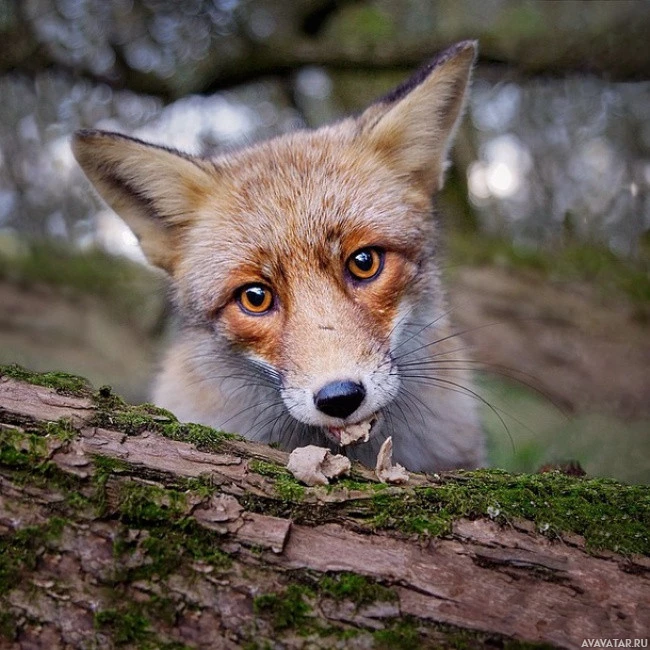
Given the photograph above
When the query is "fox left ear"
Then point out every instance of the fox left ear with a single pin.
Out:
(413, 126)
(154, 189)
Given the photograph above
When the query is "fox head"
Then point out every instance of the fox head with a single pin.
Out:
(305, 256)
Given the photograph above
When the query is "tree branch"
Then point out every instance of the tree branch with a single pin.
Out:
(120, 525)
(607, 39)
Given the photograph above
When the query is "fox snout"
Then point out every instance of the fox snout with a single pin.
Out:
(340, 399)
(340, 377)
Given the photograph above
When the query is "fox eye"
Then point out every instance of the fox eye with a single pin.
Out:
(255, 299)
(366, 263)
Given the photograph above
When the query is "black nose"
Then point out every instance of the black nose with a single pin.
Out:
(339, 398)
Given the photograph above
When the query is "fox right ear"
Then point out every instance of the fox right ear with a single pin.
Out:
(413, 127)
(154, 189)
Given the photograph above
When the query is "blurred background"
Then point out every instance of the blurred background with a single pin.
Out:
(546, 210)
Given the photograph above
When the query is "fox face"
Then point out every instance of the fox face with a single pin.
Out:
(304, 272)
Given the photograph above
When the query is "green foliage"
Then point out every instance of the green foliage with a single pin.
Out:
(574, 262)
(125, 285)
(540, 434)
(362, 26)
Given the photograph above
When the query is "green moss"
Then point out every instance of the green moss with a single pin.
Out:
(163, 549)
(124, 626)
(202, 486)
(8, 624)
(288, 609)
(19, 551)
(132, 623)
(162, 511)
(356, 588)
(114, 413)
(257, 645)
(107, 465)
(271, 470)
(171, 535)
(409, 633)
(62, 382)
(19, 450)
(288, 489)
(291, 607)
(63, 429)
(149, 503)
(608, 514)
(25, 458)
(402, 635)
(286, 486)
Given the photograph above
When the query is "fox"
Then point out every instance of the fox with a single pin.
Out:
(305, 271)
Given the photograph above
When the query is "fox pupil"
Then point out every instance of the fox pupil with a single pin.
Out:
(256, 296)
(364, 260)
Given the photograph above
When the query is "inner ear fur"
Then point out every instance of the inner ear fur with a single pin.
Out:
(156, 190)
(413, 126)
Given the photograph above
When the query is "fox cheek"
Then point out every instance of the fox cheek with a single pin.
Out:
(387, 301)
(255, 337)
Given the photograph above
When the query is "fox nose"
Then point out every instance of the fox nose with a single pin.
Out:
(339, 398)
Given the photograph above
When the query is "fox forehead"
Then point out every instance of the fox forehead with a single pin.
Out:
(304, 198)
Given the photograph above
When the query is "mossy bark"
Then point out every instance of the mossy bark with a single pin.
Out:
(120, 526)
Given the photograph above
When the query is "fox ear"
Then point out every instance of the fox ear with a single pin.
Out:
(413, 126)
(154, 189)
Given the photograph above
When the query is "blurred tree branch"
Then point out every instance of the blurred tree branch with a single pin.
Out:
(271, 37)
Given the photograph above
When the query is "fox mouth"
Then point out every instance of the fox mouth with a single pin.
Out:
(352, 434)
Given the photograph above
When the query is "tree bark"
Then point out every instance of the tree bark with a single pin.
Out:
(121, 527)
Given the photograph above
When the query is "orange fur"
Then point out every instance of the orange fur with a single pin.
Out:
(288, 214)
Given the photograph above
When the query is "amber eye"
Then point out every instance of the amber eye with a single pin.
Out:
(255, 299)
(366, 263)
